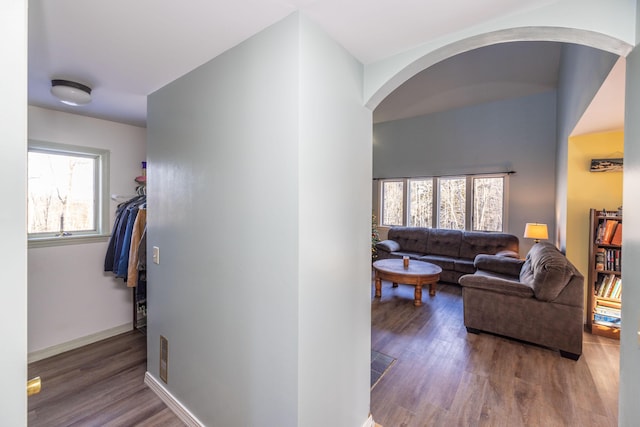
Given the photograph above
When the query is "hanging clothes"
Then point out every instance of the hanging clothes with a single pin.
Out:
(117, 258)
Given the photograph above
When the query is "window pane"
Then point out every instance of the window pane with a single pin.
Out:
(452, 203)
(421, 203)
(488, 195)
(61, 193)
(392, 210)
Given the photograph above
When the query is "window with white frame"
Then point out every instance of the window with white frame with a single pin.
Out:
(466, 202)
(67, 193)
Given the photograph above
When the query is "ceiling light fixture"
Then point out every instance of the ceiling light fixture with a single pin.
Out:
(70, 93)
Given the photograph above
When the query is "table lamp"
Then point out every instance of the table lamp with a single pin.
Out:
(536, 231)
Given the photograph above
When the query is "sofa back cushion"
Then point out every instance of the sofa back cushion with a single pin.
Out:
(547, 271)
(478, 242)
(444, 242)
(410, 239)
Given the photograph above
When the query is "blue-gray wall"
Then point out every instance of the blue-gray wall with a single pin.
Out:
(582, 72)
(253, 163)
(518, 135)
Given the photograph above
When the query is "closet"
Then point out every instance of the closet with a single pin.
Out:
(127, 250)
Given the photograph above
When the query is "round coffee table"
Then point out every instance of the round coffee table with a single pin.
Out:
(418, 274)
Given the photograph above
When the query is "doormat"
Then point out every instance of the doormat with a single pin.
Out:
(380, 364)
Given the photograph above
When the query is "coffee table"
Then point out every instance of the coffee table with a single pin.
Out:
(418, 274)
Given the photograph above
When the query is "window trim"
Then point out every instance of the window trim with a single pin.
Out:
(101, 190)
(436, 190)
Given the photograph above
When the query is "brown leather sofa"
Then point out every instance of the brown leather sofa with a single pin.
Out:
(453, 250)
(538, 300)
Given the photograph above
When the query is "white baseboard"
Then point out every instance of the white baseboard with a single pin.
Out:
(34, 356)
(174, 404)
(369, 422)
(183, 413)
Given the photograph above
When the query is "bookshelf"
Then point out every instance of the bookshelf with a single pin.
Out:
(605, 273)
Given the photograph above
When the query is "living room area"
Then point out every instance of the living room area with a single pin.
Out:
(436, 372)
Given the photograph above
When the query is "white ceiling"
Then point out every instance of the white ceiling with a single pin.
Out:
(126, 49)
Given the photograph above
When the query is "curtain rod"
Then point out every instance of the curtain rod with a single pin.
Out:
(456, 174)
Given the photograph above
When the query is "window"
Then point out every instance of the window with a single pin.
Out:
(469, 202)
(421, 202)
(488, 203)
(393, 202)
(67, 190)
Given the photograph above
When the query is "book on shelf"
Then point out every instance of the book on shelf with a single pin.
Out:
(604, 320)
(609, 229)
(600, 259)
(608, 311)
(617, 236)
(609, 303)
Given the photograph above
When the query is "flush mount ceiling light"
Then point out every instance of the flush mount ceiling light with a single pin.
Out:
(70, 93)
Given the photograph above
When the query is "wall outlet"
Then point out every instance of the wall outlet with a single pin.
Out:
(164, 358)
(156, 255)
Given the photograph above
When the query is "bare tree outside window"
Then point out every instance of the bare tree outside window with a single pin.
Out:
(392, 208)
(61, 193)
(452, 203)
(488, 194)
(421, 202)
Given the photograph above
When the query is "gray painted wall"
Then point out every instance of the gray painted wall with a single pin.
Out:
(256, 165)
(582, 72)
(514, 135)
(629, 410)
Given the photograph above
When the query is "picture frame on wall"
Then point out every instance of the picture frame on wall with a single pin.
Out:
(606, 165)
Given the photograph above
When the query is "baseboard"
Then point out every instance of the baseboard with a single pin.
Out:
(78, 342)
(174, 404)
(370, 422)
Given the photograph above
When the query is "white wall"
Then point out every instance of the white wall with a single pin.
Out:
(516, 135)
(263, 286)
(629, 412)
(334, 236)
(13, 226)
(70, 295)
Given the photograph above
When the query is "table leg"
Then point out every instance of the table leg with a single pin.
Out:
(417, 298)
(378, 286)
(432, 289)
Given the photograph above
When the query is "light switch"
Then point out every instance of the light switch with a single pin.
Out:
(156, 255)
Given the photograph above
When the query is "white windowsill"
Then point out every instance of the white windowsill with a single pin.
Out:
(67, 240)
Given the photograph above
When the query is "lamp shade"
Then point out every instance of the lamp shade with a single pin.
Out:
(536, 231)
(71, 93)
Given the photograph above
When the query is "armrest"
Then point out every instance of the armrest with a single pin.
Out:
(499, 264)
(508, 253)
(388, 245)
(496, 284)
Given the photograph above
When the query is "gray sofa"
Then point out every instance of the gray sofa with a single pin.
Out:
(453, 250)
(538, 300)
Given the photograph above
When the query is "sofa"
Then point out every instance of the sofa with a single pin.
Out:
(538, 300)
(453, 250)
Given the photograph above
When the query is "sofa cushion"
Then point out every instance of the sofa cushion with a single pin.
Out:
(443, 262)
(464, 266)
(444, 242)
(410, 239)
(477, 242)
(546, 270)
(499, 264)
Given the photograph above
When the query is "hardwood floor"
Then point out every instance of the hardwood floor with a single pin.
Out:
(446, 377)
(101, 384)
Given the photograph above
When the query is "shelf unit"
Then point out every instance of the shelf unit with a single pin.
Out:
(601, 273)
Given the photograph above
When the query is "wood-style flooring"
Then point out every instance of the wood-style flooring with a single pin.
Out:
(444, 376)
(101, 384)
